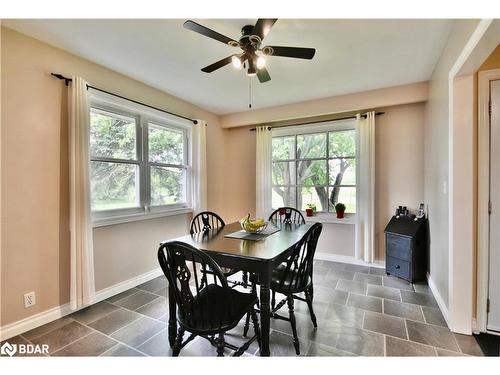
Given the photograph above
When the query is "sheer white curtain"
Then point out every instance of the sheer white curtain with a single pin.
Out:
(82, 288)
(199, 166)
(263, 169)
(365, 198)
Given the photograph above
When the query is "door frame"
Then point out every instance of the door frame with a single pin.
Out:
(483, 193)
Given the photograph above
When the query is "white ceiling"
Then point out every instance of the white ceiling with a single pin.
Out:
(351, 56)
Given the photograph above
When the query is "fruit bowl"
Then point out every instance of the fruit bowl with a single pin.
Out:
(253, 225)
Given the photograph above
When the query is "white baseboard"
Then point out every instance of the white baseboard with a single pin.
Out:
(127, 284)
(438, 298)
(347, 259)
(44, 317)
(34, 321)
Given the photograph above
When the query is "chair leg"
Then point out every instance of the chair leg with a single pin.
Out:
(256, 326)
(292, 322)
(309, 299)
(178, 343)
(273, 300)
(220, 345)
(247, 325)
(254, 291)
(244, 278)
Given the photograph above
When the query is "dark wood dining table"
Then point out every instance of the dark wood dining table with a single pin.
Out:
(258, 257)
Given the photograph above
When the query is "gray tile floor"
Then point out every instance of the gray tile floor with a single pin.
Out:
(360, 311)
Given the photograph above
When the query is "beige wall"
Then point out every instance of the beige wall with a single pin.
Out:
(389, 96)
(34, 173)
(399, 174)
(399, 163)
(493, 60)
(436, 158)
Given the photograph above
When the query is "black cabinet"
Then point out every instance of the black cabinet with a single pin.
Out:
(406, 248)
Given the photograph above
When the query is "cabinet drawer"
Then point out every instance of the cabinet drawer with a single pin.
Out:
(397, 267)
(399, 246)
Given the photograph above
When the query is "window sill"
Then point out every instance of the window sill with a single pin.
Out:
(349, 219)
(121, 219)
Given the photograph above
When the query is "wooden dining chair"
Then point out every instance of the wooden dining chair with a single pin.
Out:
(207, 310)
(206, 221)
(294, 276)
(287, 215)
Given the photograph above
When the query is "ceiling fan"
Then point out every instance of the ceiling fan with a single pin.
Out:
(252, 56)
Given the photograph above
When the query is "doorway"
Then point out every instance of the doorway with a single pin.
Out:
(493, 302)
(488, 203)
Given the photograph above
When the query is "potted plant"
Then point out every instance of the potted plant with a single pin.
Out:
(311, 209)
(340, 209)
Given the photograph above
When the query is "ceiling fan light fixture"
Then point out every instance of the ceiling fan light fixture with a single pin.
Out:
(236, 62)
(261, 62)
(251, 71)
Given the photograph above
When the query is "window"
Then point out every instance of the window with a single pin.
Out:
(315, 167)
(139, 160)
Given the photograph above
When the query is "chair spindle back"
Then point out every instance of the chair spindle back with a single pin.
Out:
(205, 221)
(287, 215)
(299, 265)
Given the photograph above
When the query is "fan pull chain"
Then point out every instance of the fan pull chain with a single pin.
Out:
(249, 92)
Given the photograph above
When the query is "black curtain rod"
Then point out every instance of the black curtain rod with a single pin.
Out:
(317, 122)
(68, 80)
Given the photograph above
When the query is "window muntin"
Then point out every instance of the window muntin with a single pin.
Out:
(139, 162)
(318, 168)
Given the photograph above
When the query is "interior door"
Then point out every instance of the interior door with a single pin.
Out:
(494, 261)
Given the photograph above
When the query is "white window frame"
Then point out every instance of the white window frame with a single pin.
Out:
(145, 117)
(323, 127)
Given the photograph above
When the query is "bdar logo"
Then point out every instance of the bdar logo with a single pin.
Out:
(23, 349)
(8, 349)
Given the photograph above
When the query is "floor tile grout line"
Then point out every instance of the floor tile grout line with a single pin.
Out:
(45, 333)
(429, 324)
(422, 310)
(101, 317)
(72, 342)
(150, 303)
(125, 326)
(141, 306)
(118, 300)
(116, 330)
(384, 334)
(458, 344)
(418, 343)
(156, 334)
(112, 338)
(406, 329)
(114, 346)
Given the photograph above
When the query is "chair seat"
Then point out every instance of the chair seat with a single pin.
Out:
(217, 309)
(287, 286)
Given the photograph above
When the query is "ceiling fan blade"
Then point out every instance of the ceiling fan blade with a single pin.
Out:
(196, 27)
(263, 75)
(263, 26)
(296, 52)
(217, 65)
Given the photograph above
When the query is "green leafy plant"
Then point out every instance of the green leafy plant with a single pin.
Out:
(312, 206)
(340, 207)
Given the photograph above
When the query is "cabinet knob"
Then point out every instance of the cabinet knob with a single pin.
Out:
(397, 266)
